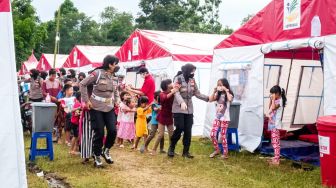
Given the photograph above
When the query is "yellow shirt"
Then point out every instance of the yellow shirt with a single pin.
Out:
(141, 122)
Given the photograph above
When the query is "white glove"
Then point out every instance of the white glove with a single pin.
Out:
(184, 106)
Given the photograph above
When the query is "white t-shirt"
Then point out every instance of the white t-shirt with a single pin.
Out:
(223, 109)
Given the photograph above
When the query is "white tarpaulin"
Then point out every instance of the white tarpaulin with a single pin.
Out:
(246, 61)
(330, 75)
(12, 158)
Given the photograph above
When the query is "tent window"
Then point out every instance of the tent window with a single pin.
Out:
(309, 101)
(272, 74)
(238, 79)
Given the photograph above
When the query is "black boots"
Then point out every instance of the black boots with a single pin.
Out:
(171, 152)
(106, 156)
(187, 155)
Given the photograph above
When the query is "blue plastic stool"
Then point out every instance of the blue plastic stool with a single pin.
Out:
(41, 152)
(231, 146)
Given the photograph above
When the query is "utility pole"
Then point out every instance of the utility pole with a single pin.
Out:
(57, 37)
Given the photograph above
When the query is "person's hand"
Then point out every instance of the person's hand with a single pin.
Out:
(184, 106)
(128, 87)
(225, 89)
(89, 105)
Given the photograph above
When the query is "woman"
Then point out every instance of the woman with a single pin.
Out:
(36, 82)
(101, 104)
(183, 108)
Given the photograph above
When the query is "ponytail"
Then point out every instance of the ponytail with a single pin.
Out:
(283, 96)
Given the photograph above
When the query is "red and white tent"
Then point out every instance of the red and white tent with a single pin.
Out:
(28, 65)
(283, 44)
(84, 58)
(47, 61)
(165, 53)
(12, 156)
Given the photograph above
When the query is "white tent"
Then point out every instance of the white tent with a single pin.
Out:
(12, 158)
(84, 58)
(165, 53)
(47, 61)
(286, 45)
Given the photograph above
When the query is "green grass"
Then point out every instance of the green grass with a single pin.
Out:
(132, 169)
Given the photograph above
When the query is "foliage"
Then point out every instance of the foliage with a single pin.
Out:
(180, 15)
(29, 32)
(116, 26)
(247, 18)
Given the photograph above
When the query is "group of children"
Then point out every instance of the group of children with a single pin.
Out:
(134, 114)
(133, 117)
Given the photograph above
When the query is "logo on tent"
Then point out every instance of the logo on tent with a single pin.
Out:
(292, 14)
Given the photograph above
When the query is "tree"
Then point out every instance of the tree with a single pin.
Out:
(116, 26)
(160, 14)
(75, 28)
(180, 15)
(29, 32)
(247, 18)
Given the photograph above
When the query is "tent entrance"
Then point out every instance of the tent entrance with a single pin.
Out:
(303, 81)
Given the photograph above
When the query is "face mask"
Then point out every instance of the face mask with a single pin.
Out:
(116, 69)
(219, 88)
(191, 75)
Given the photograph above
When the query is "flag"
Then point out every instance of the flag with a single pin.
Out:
(12, 158)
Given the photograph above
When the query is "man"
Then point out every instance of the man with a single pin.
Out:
(148, 87)
(62, 75)
(51, 86)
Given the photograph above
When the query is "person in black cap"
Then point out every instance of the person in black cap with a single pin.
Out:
(148, 87)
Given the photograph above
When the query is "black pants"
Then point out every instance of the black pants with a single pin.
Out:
(98, 122)
(183, 123)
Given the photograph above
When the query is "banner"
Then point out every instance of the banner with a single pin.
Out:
(292, 14)
(12, 158)
(135, 46)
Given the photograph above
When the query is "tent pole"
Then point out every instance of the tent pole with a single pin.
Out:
(290, 71)
(57, 37)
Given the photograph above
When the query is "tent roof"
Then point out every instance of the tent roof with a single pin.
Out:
(267, 25)
(26, 66)
(181, 46)
(48, 60)
(87, 55)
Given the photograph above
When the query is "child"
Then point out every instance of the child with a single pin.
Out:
(165, 115)
(154, 124)
(127, 128)
(123, 96)
(67, 104)
(76, 112)
(141, 122)
(277, 103)
(223, 96)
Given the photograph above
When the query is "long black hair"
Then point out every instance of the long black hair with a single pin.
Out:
(226, 84)
(108, 60)
(278, 90)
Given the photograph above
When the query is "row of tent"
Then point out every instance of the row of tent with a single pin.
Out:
(81, 57)
(277, 46)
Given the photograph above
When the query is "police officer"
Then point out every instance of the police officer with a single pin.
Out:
(104, 97)
(183, 108)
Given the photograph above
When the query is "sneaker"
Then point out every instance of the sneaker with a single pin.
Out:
(121, 146)
(97, 161)
(187, 155)
(106, 156)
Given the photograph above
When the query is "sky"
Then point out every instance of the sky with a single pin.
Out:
(231, 11)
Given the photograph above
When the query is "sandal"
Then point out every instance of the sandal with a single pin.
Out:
(212, 155)
(224, 157)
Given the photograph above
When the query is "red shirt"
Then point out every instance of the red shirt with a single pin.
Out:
(51, 87)
(148, 88)
(74, 116)
(165, 115)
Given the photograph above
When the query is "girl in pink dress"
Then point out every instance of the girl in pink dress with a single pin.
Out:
(126, 129)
